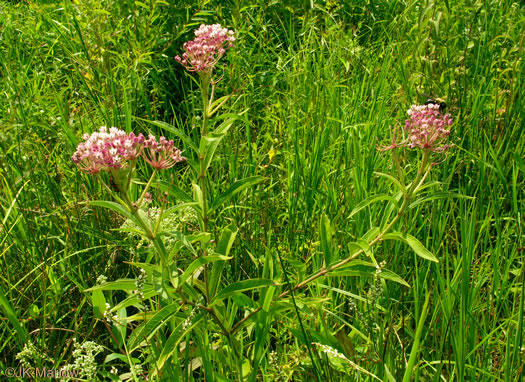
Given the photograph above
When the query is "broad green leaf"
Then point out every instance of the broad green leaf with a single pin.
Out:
(373, 199)
(268, 298)
(147, 267)
(146, 330)
(241, 286)
(196, 264)
(99, 304)
(218, 101)
(243, 301)
(234, 189)
(354, 266)
(519, 162)
(346, 343)
(177, 208)
(202, 237)
(414, 243)
(120, 331)
(173, 275)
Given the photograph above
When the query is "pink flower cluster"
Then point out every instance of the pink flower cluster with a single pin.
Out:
(105, 150)
(426, 127)
(204, 51)
(113, 150)
(161, 154)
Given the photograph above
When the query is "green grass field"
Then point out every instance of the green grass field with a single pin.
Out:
(269, 269)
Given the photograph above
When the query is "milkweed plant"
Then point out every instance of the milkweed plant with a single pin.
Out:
(181, 306)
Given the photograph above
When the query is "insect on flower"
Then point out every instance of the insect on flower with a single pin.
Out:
(435, 101)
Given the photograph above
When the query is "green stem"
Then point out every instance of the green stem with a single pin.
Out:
(205, 83)
(400, 175)
(108, 189)
(125, 201)
(414, 185)
(139, 203)
(415, 347)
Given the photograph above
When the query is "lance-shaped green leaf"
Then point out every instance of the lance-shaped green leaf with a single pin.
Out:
(234, 189)
(10, 313)
(223, 248)
(159, 285)
(365, 269)
(438, 195)
(119, 208)
(167, 212)
(134, 299)
(196, 264)
(171, 345)
(239, 287)
(99, 304)
(166, 126)
(175, 191)
(414, 243)
(210, 142)
(146, 330)
(373, 199)
(325, 232)
(392, 179)
(216, 105)
(122, 357)
(121, 284)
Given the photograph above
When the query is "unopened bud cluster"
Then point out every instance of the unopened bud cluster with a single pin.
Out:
(330, 350)
(189, 320)
(84, 360)
(139, 283)
(110, 317)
